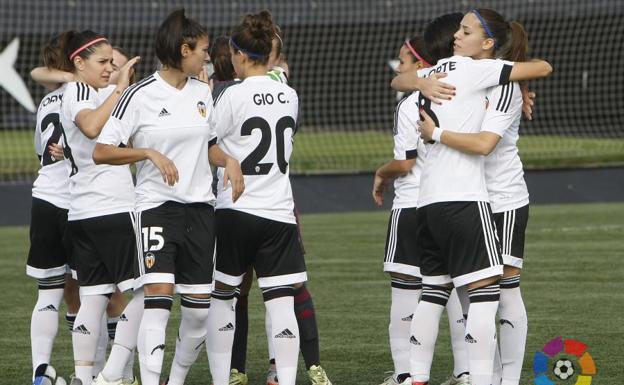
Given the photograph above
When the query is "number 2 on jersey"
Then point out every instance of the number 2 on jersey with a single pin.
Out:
(251, 164)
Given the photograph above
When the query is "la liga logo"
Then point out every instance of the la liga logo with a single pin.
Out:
(562, 361)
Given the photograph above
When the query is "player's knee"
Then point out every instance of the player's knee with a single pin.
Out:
(154, 289)
(271, 293)
(484, 282)
(436, 294)
(510, 271)
(51, 283)
(406, 282)
(200, 305)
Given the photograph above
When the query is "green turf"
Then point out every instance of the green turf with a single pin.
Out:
(572, 286)
(340, 151)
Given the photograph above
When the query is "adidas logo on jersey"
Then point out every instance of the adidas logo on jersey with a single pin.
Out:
(409, 318)
(48, 308)
(504, 321)
(163, 112)
(227, 328)
(82, 330)
(123, 318)
(285, 334)
(414, 341)
(470, 340)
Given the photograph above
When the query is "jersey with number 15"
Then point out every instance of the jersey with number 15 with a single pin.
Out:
(256, 120)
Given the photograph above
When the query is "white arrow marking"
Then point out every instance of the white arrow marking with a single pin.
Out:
(10, 80)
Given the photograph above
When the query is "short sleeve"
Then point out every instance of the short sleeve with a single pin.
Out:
(78, 97)
(222, 120)
(486, 73)
(38, 133)
(406, 136)
(123, 122)
(504, 108)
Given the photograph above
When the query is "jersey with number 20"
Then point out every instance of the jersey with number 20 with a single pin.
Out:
(255, 123)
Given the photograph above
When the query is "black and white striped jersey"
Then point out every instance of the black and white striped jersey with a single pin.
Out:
(178, 124)
(407, 145)
(255, 121)
(95, 190)
(504, 175)
(52, 183)
(448, 174)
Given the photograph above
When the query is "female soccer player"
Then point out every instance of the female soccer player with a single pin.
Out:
(167, 117)
(456, 233)
(485, 34)
(223, 77)
(401, 259)
(53, 77)
(256, 122)
(102, 198)
(49, 255)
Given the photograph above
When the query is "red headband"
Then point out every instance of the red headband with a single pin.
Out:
(89, 44)
(413, 51)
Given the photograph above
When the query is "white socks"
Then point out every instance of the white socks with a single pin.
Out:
(86, 334)
(191, 336)
(220, 335)
(151, 339)
(285, 335)
(102, 347)
(513, 329)
(481, 332)
(457, 324)
(402, 308)
(120, 361)
(44, 325)
(424, 330)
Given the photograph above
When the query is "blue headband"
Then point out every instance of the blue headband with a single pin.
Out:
(249, 53)
(485, 27)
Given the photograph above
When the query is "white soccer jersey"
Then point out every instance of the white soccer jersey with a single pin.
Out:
(95, 190)
(52, 183)
(448, 174)
(256, 120)
(504, 175)
(407, 145)
(177, 123)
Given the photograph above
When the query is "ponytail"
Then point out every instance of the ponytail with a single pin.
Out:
(518, 45)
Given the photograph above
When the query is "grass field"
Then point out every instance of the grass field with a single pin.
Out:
(341, 151)
(572, 286)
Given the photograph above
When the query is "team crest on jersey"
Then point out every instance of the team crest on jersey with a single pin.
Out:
(201, 108)
(150, 260)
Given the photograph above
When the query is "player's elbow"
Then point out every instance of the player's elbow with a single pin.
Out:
(545, 69)
(99, 154)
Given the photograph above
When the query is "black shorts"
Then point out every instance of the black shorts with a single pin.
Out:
(510, 227)
(458, 243)
(104, 251)
(401, 251)
(178, 243)
(272, 247)
(49, 249)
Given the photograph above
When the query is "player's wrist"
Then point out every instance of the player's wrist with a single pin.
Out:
(437, 134)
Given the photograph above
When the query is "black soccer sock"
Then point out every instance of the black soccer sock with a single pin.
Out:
(239, 348)
(308, 330)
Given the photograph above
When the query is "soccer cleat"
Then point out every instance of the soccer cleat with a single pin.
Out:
(238, 378)
(391, 380)
(318, 376)
(75, 381)
(463, 379)
(134, 381)
(44, 375)
(272, 376)
(100, 380)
